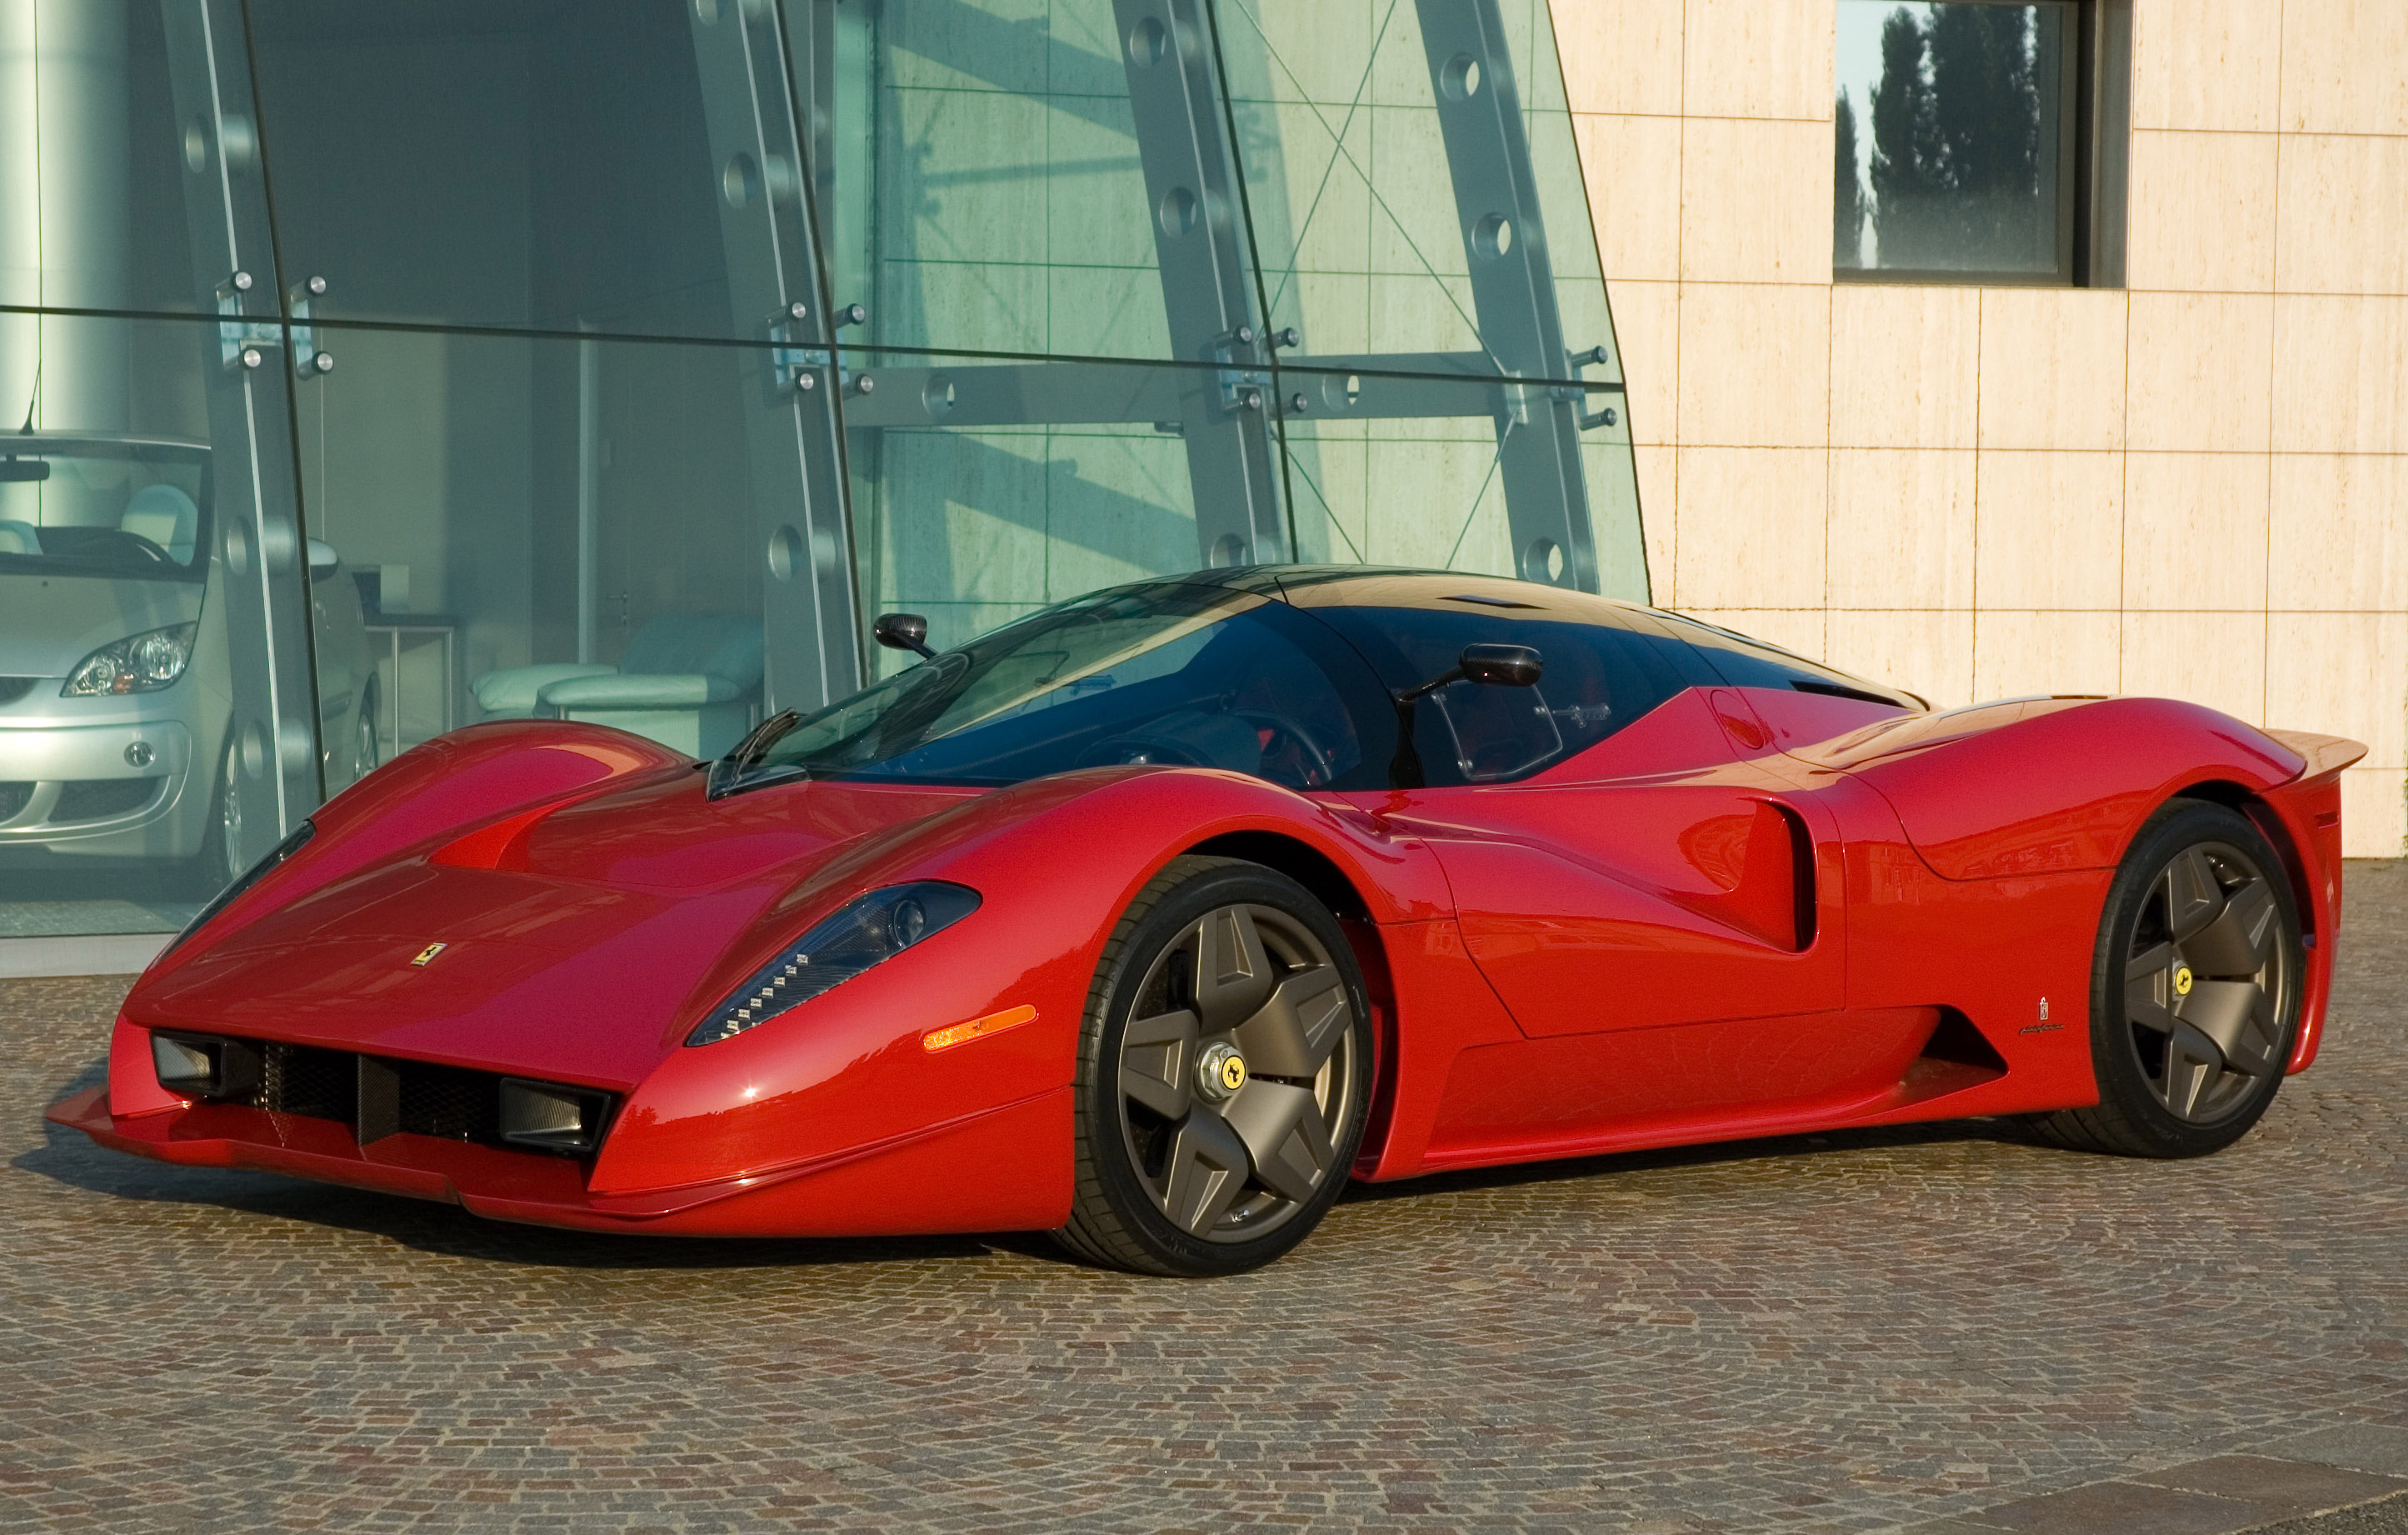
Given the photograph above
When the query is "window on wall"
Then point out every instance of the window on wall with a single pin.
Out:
(1980, 140)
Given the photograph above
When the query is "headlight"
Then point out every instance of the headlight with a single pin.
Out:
(144, 663)
(878, 925)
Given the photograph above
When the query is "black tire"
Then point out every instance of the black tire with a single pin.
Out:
(1160, 1118)
(2188, 1056)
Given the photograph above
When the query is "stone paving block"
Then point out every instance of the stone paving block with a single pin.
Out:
(2388, 1517)
(2281, 1488)
(2124, 1508)
(2365, 1447)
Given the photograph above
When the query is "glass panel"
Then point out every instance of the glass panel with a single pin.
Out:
(154, 715)
(1952, 149)
(1008, 210)
(529, 163)
(542, 528)
(1405, 161)
(120, 648)
(972, 509)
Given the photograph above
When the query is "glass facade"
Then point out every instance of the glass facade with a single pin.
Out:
(387, 369)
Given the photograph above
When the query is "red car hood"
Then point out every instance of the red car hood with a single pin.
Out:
(573, 935)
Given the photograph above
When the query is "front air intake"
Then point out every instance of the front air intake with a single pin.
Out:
(378, 1096)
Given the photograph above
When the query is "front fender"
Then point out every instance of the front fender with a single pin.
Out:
(1055, 862)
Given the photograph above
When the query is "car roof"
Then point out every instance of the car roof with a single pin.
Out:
(1431, 591)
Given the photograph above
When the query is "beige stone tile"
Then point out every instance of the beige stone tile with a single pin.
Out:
(1902, 528)
(1905, 364)
(1621, 55)
(2201, 367)
(1755, 360)
(2195, 532)
(2344, 202)
(1756, 201)
(2341, 375)
(1760, 58)
(2215, 659)
(2341, 67)
(1660, 518)
(1647, 333)
(1751, 528)
(2018, 653)
(2049, 530)
(2373, 812)
(2339, 528)
(1632, 165)
(2201, 212)
(2339, 674)
(2206, 64)
(1797, 630)
(2052, 369)
(1929, 654)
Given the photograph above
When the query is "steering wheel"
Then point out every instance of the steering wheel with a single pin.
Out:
(1319, 769)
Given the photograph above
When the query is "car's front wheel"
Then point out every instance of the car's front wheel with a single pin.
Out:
(1224, 1072)
(2195, 989)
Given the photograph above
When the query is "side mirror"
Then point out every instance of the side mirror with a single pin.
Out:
(1501, 665)
(322, 559)
(903, 632)
(1486, 665)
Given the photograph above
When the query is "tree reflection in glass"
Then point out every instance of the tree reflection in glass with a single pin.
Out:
(1963, 167)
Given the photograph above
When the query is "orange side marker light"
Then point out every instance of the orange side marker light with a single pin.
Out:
(978, 1028)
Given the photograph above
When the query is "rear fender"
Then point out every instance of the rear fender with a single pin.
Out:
(2048, 786)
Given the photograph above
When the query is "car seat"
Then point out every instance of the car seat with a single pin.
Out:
(20, 538)
(164, 514)
(689, 680)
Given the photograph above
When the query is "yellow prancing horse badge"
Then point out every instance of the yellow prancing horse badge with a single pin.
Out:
(2182, 980)
(428, 952)
(1233, 1072)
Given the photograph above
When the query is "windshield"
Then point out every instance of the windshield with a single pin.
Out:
(1163, 672)
(83, 507)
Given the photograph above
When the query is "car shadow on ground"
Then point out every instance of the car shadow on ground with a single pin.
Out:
(66, 1157)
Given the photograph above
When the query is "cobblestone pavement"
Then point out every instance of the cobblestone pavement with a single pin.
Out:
(1851, 1332)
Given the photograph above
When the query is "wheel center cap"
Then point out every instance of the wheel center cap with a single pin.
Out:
(2182, 980)
(1220, 1072)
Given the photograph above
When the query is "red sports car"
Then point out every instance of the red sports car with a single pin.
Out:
(1153, 917)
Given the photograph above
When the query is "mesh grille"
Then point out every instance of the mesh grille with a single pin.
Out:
(98, 799)
(13, 799)
(319, 1084)
(14, 688)
(457, 1105)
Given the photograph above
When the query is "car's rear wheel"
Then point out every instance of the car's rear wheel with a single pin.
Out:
(2195, 989)
(1224, 1067)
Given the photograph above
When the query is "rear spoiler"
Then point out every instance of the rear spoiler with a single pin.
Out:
(2325, 755)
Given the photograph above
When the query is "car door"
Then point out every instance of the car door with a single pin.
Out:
(1664, 912)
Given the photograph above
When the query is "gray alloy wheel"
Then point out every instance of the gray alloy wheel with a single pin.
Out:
(364, 751)
(2196, 990)
(1225, 1077)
